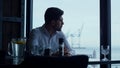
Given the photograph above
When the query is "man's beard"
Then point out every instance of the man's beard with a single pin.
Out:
(58, 29)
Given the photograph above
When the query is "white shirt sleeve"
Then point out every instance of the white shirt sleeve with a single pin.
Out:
(33, 40)
(67, 45)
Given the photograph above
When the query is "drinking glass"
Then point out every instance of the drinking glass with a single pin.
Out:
(47, 50)
(38, 50)
(104, 51)
(16, 49)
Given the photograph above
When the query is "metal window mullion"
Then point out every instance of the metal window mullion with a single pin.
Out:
(22, 17)
(29, 16)
(1, 24)
(105, 27)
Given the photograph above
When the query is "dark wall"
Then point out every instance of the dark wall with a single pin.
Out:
(11, 21)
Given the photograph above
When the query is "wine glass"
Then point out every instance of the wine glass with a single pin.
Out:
(104, 51)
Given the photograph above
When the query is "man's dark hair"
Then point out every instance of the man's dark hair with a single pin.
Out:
(53, 13)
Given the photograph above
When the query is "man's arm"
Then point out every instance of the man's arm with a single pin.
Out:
(32, 41)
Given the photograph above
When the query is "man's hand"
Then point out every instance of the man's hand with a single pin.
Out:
(66, 52)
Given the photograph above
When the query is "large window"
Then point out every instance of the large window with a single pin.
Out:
(81, 23)
(115, 32)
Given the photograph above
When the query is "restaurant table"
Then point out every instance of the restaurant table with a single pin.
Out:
(78, 61)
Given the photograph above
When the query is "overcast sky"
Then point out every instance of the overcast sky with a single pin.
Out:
(79, 16)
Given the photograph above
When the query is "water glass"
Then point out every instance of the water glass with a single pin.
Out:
(38, 50)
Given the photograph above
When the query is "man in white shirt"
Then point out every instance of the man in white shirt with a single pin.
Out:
(47, 36)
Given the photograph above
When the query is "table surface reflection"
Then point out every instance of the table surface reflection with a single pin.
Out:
(104, 62)
(8, 60)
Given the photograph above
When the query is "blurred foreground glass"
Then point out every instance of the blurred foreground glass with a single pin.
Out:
(105, 51)
(38, 50)
(16, 49)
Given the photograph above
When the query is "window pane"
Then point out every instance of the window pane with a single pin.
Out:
(115, 32)
(94, 66)
(81, 23)
(115, 66)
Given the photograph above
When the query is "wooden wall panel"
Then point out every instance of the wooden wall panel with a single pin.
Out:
(10, 30)
(11, 8)
(12, 21)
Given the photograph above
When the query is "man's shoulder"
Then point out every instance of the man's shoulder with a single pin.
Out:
(37, 29)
